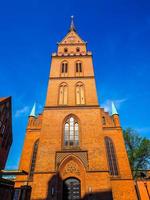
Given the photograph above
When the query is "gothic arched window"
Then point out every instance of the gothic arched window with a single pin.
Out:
(63, 94)
(71, 132)
(79, 69)
(33, 160)
(80, 96)
(111, 156)
(64, 68)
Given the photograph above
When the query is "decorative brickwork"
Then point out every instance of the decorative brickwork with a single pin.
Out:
(5, 130)
(71, 168)
(82, 155)
(74, 148)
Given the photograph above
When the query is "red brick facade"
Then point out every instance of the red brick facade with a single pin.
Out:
(75, 137)
(5, 130)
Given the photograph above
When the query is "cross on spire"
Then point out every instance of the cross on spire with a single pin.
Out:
(72, 26)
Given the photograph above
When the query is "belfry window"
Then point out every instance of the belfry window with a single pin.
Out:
(33, 160)
(80, 96)
(63, 94)
(71, 132)
(64, 68)
(111, 157)
(79, 70)
(78, 66)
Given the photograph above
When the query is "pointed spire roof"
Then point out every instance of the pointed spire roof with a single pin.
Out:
(33, 111)
(114, 110)
(72, 26)
(72, 37)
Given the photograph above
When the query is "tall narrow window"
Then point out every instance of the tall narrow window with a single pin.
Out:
(33, 160)
(71, 133)
(103, 120)
(111, 157)
(80, 96)
(79, 69)
(63, 94)
(64, 68)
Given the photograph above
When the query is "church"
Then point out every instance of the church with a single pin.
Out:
(74, 149)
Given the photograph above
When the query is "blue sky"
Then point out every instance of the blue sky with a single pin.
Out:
(118, 34)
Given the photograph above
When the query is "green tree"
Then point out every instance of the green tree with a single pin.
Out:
(138, 149)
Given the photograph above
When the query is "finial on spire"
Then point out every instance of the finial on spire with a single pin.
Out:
(33, 112)
(72, 27)
(114, 110)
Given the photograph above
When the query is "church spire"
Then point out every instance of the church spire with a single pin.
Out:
(32, 114)
(114, 110)
(115, 116)
(72, 26)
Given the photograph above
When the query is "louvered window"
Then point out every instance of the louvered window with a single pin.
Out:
(64, 69)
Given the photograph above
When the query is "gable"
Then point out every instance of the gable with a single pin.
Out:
(72, 38)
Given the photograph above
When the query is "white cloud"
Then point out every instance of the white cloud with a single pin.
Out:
(22, 112)
(118, 103)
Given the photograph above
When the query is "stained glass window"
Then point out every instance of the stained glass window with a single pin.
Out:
(71, 132)
(111, 156)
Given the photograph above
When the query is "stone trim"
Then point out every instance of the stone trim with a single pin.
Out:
(73, 107)
(121, 179)
(113, 128)
(69, 77)
(73, 55)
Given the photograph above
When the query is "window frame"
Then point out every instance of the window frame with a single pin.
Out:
(64, 85)
(78, 68)
(74, 146)
(80, 84)
(103, 120)
(111, 157)
(64, 68)
(33, 156)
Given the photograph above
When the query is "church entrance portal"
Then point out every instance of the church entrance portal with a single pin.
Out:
(71, 189)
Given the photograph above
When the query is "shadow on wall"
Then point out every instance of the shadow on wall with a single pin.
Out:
(107, 195)
(69, 189)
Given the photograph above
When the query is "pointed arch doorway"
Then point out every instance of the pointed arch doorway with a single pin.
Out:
(71, 189)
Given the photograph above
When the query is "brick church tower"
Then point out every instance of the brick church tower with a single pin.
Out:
(74, 149)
